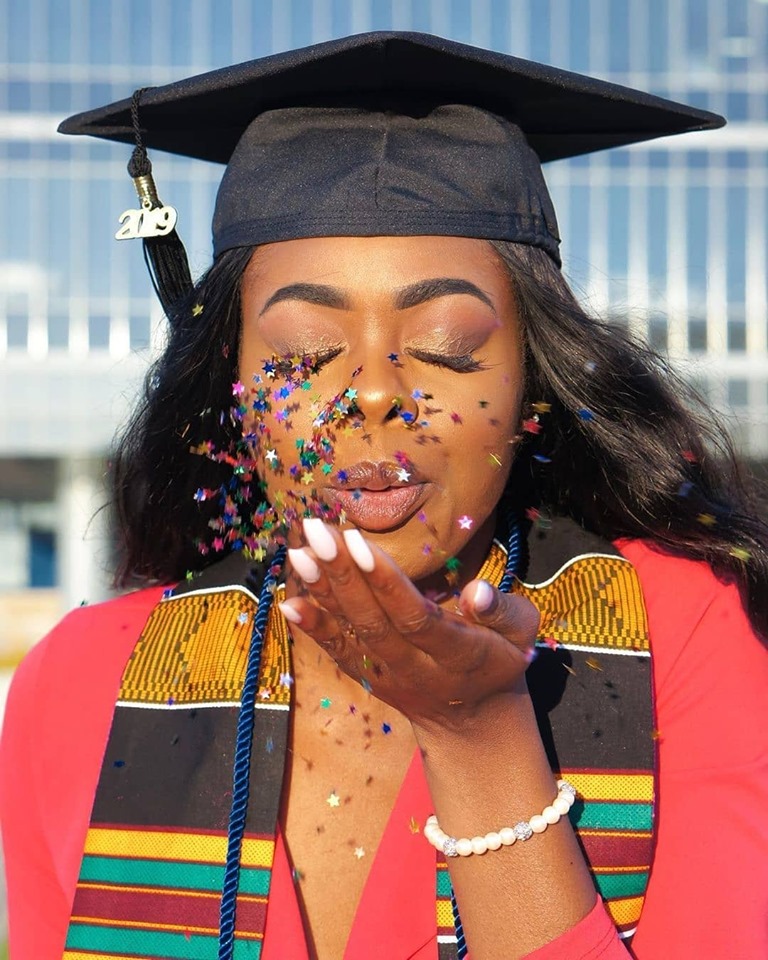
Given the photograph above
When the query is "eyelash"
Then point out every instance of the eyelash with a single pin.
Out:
(465, 363)
(319, 360)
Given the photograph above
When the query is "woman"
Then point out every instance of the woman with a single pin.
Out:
(385, 372)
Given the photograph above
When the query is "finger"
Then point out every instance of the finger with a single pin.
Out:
(341, 583)
(336, 638)
(510, 615)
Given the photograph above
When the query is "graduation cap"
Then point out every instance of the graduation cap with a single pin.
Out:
(381, 134)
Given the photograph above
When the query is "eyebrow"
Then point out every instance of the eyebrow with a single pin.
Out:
(413, 295)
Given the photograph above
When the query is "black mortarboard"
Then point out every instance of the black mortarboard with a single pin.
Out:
(388, 134)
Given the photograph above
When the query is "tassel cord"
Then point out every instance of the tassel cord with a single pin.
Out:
(242, 764)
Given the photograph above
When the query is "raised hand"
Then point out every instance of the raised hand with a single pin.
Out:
(436, 667)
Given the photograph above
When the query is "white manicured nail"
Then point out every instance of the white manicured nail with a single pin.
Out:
(289, 613)
(320, 538)
(483, 596)
(304, 565)
(359, 550)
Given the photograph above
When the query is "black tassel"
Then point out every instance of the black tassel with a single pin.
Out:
(164, 254)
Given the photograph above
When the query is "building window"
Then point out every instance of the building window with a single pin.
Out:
(98, 333)
(737, 336)
(17, 327)
(139, 332)
(697, 336)
(658, 334)
(42, 558)
(58, 332)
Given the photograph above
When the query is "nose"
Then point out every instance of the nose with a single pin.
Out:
(384, 394)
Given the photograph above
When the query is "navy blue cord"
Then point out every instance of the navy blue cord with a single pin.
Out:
(242, 764)
(516, 560)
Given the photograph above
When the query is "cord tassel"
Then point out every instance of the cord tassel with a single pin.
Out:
(155, 224)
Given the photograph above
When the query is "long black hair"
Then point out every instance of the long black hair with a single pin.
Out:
(624, 447)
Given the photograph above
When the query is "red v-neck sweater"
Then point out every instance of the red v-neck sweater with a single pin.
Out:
(708, 893)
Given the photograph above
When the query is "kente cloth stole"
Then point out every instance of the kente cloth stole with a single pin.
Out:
(153, 864)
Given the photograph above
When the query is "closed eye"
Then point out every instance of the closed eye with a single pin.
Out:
(285, 364)
(461, 363)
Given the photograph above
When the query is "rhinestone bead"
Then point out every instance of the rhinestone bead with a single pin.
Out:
(449, 847)
(566, 788)
(523, 830)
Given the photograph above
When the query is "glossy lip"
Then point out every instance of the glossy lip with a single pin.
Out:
(375, 475)
(374, 497)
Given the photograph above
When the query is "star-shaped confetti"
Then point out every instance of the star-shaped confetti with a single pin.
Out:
(197, 309)
(359, 853)
(392, 357)
(286, 680)
(271, 456)
(386, 728)
(333, 799)
(242, 617)
(466, 522)
(325, 702)
(403, 475)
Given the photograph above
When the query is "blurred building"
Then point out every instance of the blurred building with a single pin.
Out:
(671, 235)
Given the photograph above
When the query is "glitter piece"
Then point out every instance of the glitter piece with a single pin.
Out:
(403, 475)
(531, 426)
(265, 693)
(413, 825)
(452, 564)
(325, 703)
(242, 617)
(494, 460)
(386, 728)
(593, 663)
(465, 522)
(541, 458)
(197, 309)
(392, 357)
(740, 553)
(366, 685)
(270, 745)
(585, 414)
(707, 519)
(359, 853)
(286, 680)
(333, 799)
(456, 418)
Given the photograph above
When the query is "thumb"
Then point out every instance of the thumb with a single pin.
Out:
(511, 615)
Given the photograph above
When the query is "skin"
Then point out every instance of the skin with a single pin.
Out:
(446, 675)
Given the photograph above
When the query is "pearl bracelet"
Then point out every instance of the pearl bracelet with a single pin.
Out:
(464, 847)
